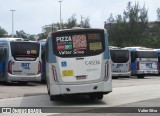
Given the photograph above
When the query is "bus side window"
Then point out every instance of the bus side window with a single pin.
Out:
(133, 56)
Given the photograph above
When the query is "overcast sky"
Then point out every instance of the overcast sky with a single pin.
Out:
(31, 15)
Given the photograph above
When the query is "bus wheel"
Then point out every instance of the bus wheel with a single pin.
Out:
(23, 83)
(114, 77)
(92, 97)
(140, 76)
(100, 96)
(56, 97)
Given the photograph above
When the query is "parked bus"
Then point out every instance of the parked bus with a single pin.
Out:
(144, 62)
(43, 74)
(78, 62)
(21, 61)
(121, 63)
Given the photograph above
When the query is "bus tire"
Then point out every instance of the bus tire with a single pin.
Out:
(92, 97)
(23, 83)
(114, 77)
(100, 96)
(55, 97)
(140, 76)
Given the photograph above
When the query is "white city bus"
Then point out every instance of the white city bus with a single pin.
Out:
(78, 62)
(22, 62)
(121, 63)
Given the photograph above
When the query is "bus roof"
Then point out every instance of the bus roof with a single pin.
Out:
(75, 30)
(12, 39)
(114, 47)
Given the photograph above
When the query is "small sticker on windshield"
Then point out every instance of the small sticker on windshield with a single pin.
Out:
(33, 51)
(63, 64)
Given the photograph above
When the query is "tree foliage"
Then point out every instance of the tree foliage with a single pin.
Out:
(72, 22)
(130, 28)
(3, 32)
(21, 34)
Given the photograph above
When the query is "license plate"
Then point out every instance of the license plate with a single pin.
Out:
(66, 73)
(30, 74)
(81, 77)
(17, 72)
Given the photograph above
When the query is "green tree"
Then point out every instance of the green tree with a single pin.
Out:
(3, 32)
(21, 34)
(129, 29)
(71, 22)
(85, 23)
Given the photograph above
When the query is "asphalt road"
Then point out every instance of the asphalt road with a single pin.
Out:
(127, 92)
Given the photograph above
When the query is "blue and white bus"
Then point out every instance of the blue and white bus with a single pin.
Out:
(121, 63)
(43, 74)
(78, 62)
(21, 61)
(144, 61)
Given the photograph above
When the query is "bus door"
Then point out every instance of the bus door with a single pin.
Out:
(133, 62)
(25, 60)
(43, 68)
(3, 54)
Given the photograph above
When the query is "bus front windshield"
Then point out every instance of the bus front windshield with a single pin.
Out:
(25, 50)
(119, 56)
(78, 44)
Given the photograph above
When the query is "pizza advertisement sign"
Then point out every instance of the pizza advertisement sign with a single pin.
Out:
(64, 43)
(78, 44)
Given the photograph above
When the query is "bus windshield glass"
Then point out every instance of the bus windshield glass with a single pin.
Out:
(146, 54)
(25, 50)
(119, 56)
(78, 44)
